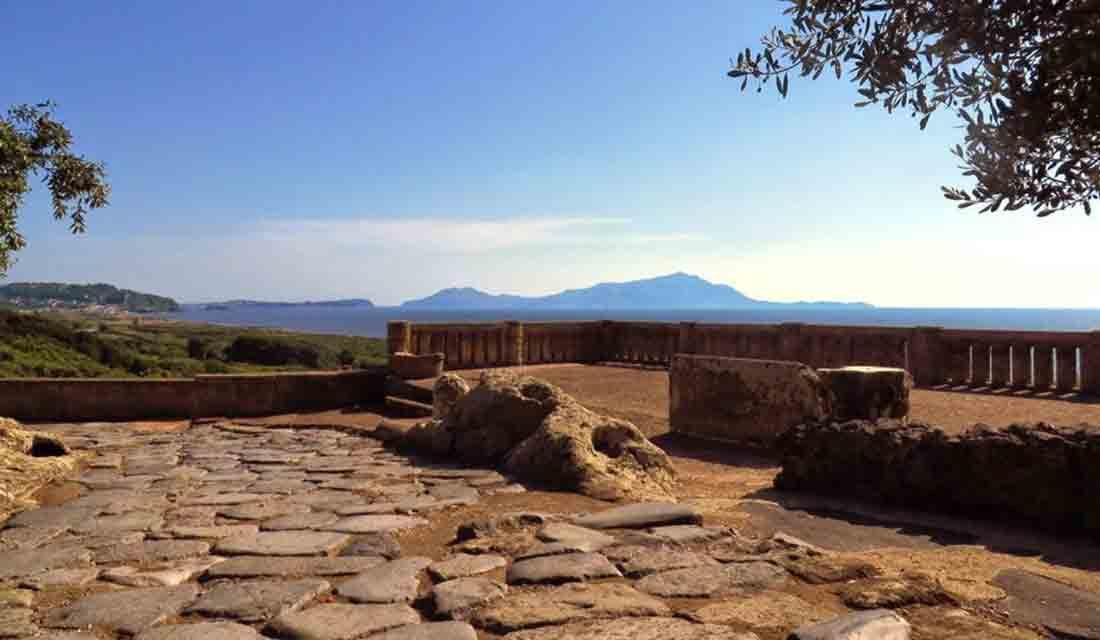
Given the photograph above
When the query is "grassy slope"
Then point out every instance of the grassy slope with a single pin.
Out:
(71, 345)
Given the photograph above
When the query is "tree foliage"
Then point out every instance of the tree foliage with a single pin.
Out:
(1024, 76)
(33, 143)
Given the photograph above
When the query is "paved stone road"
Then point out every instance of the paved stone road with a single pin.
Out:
(227, 532)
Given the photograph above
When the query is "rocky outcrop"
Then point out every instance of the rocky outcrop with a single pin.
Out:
(448, 389)
(1033, 472)
(539, 433)
(28, 461)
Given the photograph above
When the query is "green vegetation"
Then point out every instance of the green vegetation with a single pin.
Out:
(71, 345)
(36, 295)
(32, 143)
(1023, 76)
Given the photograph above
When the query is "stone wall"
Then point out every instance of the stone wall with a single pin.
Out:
(743, 399)
(1039, 361)
(1037, 473)
(75, 399)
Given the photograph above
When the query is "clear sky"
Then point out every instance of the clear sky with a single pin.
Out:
(289, 150)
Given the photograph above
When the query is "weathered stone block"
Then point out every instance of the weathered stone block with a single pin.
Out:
(868, 393)
(743, 399)
(412, 366)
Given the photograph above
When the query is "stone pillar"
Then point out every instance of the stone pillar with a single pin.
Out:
(398, 336)
(999, 368)
(1067, 368)
(790, 342)
(686, 342)
(1090, 365)
(926, 356)
(1044, 368)
(513, 343)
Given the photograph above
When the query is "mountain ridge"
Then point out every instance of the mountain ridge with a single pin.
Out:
(42, 295)
(673, 291)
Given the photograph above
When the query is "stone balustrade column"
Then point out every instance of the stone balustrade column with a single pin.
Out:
(513, 344)
(1090, 365)
(398, 336)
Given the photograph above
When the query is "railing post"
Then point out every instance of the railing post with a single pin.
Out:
(686, 341)
(1090, 365)
(513, 343)
(790, 342)
(926, 356)
(398, 336)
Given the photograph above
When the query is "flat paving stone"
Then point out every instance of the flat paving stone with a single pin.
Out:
(634, 629)
(61, 517)
(152, 551)
(465, 565)
(394, 581)
(876, 624)
(256, 567)
(376, 508)
(767, 610)
(689, 533)
(430, 631)
(376, 523)
(383, 543)
(565, 604)
(164, 577)
(261, 511)
(300, 521)
(222, 499)
(201, 631)
(580, 537)
(658, 560)
(641, 515)
(702, 582)
(61, 578)
(454, 596)
(28, 537)
(130, 611)
(212, 532)
(282, 543)
(453, 491)
(28, 563)
(16, 598)
(132, 521)
(257, 601)
(1038, 600)
(569, 567)
(339, 621)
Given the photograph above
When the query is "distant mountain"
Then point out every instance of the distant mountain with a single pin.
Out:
(675, 291)
(229, 304)
(43, 295)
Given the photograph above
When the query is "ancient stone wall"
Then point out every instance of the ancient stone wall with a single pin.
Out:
(1039, 361)
(73, 399)
(1037, 473)
(743, 399)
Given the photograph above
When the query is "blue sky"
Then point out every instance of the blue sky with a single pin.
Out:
(288, 150)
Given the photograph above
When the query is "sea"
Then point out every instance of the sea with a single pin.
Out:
(371, 322)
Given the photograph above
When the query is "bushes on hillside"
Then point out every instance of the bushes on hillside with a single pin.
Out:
(278, 351)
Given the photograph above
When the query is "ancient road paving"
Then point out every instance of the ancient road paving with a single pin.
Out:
(228, 532)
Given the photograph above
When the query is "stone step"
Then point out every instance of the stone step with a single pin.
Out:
(402, 408)
(398, 388)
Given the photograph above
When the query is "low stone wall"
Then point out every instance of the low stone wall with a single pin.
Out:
(409, 366)
(77, 399)
(743, 399)
(1038, 473)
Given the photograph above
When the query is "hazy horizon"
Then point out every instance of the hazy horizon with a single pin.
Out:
(259, 150)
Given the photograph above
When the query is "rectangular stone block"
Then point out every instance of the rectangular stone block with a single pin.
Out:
(868, 393)
(743, 399)
(413, 367)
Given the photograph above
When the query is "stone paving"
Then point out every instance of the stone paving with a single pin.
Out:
(229, 532)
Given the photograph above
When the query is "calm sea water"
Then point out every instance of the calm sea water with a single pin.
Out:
(372, 322)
